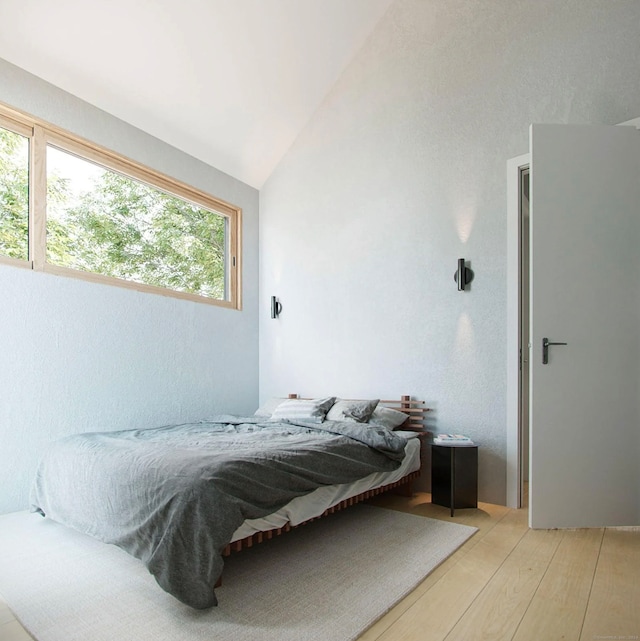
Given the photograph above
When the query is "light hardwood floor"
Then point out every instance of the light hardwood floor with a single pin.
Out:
(510, 582)
(507, 582)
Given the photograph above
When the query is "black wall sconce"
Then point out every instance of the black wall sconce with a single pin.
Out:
(276, 307)
(463, 275)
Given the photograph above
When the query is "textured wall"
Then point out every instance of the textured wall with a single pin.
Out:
(402, 171)
(77, 356)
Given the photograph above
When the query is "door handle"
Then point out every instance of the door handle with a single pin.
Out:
(545, 349)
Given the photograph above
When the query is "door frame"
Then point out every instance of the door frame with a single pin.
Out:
(514, 257)
(513, 463)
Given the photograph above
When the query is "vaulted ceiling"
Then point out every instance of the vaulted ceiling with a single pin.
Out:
(231, 82)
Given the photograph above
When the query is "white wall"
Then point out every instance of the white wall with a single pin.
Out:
(77, 356)
(401, 172)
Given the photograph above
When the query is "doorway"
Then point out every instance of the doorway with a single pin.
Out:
(524, 343)
(518, 180)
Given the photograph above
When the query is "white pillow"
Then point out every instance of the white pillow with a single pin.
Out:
(313, 410)
(386, 417)
(356, 411)
(267, 408)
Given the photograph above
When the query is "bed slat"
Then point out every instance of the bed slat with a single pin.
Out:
(249, 541)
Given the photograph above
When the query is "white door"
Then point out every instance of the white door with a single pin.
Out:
(585, 291)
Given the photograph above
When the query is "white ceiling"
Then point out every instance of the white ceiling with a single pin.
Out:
(231, 82)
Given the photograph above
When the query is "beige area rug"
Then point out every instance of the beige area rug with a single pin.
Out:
(327, 581)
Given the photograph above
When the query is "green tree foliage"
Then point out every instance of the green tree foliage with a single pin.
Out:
(116, 227)
(129, 230)
(14, 195)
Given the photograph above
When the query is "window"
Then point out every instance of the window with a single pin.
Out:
(99, 216)
(14, 192)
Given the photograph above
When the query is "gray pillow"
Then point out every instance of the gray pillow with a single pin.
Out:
(358, 411)
(386, 417)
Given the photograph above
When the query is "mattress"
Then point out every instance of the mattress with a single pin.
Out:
(311, 505)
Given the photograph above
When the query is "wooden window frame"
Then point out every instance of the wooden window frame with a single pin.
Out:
(42, 134)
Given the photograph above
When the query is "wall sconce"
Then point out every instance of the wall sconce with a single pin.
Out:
(276, 307)
(463, 275)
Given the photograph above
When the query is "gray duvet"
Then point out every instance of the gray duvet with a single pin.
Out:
(173, 496)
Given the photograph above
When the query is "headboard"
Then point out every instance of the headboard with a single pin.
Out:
(415, 410)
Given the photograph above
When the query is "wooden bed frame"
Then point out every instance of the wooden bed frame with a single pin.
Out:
(416, 422)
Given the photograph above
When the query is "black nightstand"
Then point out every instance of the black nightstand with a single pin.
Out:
(454, 476)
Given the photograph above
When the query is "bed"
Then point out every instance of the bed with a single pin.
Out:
(181, 497)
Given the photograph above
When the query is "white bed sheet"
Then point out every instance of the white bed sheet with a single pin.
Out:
(306, 507)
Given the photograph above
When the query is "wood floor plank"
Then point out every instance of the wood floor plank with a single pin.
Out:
(433, 615)
(420, 503)
(13, 631)
(558, 607)
(484, 518)
(614, 603)
(5, 613)
(497, 611)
